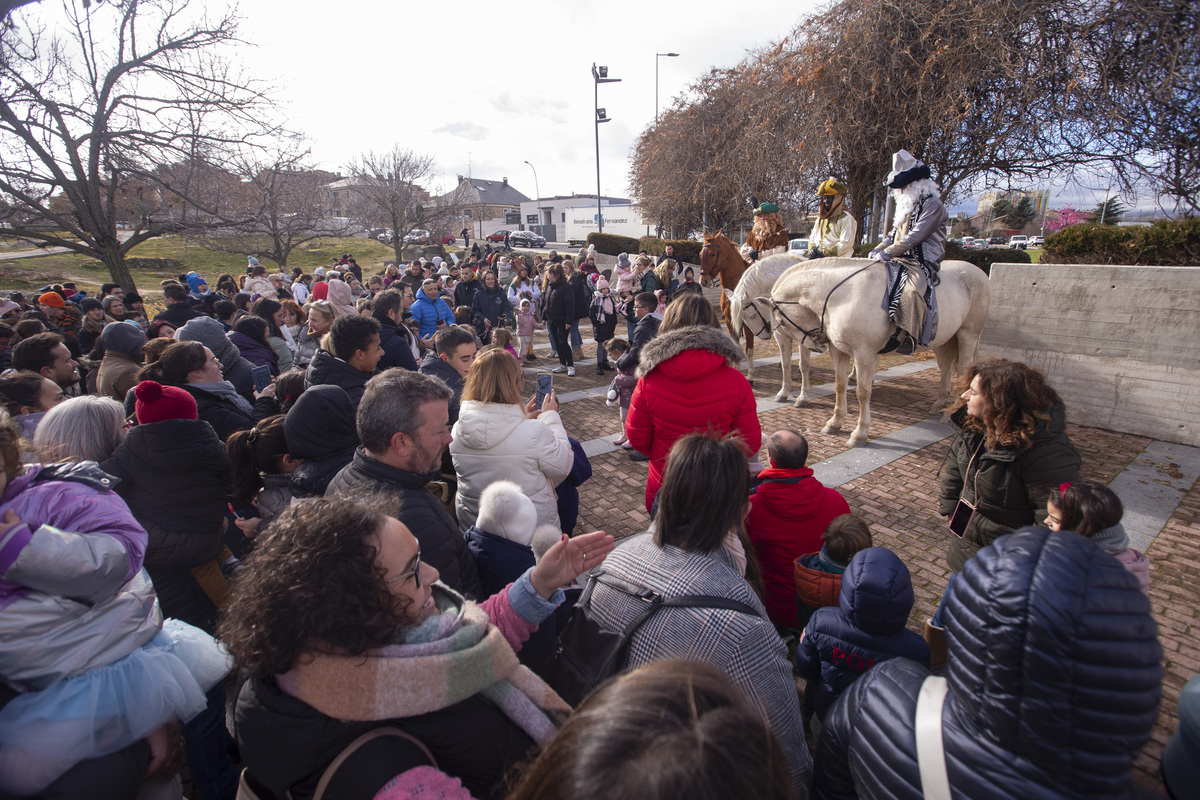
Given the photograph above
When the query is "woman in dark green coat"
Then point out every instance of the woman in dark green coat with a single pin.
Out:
(1012, 450)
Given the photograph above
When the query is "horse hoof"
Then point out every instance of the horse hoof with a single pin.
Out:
(781, 397)
(801, 402)
(858, 440)
(831, 429)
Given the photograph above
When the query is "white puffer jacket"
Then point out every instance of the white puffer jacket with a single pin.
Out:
(494, 441)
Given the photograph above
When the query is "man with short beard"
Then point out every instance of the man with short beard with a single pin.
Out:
(914, 250)
(835, 230)
(403, 424)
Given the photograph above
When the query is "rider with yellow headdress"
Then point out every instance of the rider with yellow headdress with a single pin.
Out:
(835, 230)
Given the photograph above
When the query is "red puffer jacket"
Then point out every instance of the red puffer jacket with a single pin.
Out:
(688, 382)
(789, 511)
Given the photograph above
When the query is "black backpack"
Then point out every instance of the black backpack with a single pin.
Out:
(588, 653)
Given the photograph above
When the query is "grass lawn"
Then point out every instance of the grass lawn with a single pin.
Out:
(33, 273)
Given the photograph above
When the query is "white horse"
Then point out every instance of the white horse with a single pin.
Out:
(840, 300)
(757, 281)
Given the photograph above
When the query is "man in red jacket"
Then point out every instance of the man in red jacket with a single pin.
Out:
(789, 511)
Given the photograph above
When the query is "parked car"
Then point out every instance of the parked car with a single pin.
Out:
(997, 241)
(797, 246)
(1018, 242)
(1036, 241)
(526, 238)
(968, 242)
(497, 236)
(386, 236)
(418, 236)
(448, 239)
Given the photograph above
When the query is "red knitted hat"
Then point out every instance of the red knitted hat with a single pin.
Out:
(156, 403)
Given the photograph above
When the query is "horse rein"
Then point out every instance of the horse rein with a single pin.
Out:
(818, 333)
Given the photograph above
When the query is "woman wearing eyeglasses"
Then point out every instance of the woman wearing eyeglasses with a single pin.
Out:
(345, 631)
(321, 315)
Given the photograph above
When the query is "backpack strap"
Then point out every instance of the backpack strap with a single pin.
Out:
(931, 755)
(354, 746)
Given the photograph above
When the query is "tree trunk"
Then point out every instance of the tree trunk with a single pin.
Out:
(114, 259)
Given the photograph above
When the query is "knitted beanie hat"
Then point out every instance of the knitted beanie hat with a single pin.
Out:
(601, 283)
(156, 403)
(52, 299)
(90, 303)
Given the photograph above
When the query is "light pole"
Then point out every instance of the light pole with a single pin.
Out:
(657, 56)
(539, 194)
(599, 76)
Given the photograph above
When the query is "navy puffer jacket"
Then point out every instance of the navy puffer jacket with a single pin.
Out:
(867, 627)
(1054, 681)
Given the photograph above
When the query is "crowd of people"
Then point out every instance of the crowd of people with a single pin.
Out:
(334, 503)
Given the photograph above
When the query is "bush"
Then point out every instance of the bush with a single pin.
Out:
(985, 258)
(863, 250)
(685, 250)
(1163, 244)
(610, 244)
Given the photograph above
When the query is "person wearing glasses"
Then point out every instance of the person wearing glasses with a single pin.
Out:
(349, 634)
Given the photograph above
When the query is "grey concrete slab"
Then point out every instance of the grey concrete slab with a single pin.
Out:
(854, 463)
(1152, 486)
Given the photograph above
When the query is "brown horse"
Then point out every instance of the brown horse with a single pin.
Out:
(720, 259)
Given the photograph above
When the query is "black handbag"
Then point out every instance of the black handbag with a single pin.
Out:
(589, 653)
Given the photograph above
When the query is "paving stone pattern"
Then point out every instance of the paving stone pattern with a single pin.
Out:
(899, 499)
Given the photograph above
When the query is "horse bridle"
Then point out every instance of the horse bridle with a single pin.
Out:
(818, 333)
(766, 324)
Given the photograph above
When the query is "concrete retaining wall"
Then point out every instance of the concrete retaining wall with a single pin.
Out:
(1121, 344)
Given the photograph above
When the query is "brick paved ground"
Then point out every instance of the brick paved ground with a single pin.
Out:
(899, 501)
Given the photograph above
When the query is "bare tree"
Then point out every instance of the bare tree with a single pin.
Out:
(1139, 74)
(713, 150)
(389, 190)
(129, 115)
(277, 206)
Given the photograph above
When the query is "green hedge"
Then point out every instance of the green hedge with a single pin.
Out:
(685, 249)
(610, 244)
(980, 258)
(985, 258)
(1163, 244)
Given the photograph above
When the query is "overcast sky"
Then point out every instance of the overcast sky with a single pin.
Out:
(484, 88)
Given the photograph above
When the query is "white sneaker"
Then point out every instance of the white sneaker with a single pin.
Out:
(570, 372)
(559, 369)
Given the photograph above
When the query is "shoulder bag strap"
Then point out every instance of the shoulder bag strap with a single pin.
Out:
(705, 601)
(353, 747)
(931, 757)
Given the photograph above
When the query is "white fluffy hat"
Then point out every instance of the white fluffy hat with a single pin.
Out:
(505, 511)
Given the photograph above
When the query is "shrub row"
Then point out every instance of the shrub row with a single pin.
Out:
(610, 244)
(980, 258)
(1163, 244)
(685, 250)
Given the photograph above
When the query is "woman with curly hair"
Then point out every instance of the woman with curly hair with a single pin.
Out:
(1011, 452)
(343, 630)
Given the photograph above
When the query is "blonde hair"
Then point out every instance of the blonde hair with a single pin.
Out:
(495, 377)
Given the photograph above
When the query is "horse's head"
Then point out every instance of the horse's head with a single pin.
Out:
(758, 316)
(717, 255)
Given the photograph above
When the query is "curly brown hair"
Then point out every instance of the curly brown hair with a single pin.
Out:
(1016, 398)
(312, 583)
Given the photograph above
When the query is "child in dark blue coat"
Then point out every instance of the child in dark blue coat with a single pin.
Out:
(502, 541)
(866, 627)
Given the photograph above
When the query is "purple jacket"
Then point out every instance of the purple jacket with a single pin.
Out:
(72, 591)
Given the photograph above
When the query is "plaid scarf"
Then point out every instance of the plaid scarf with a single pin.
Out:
(453, 655)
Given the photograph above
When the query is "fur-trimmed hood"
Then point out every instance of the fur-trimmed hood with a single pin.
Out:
(695, 337)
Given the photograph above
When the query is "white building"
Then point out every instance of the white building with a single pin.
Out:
(557, 218)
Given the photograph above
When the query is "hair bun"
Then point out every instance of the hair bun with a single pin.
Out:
(148, 391)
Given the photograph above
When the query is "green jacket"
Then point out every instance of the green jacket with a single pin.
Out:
(1013, 486)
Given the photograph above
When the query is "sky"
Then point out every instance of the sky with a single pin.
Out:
(484, 87)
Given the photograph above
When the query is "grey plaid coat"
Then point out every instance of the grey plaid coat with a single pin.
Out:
(746, 648)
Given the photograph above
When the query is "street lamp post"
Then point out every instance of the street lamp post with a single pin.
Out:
(657, 56)
(599, 76)
(539, 194)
